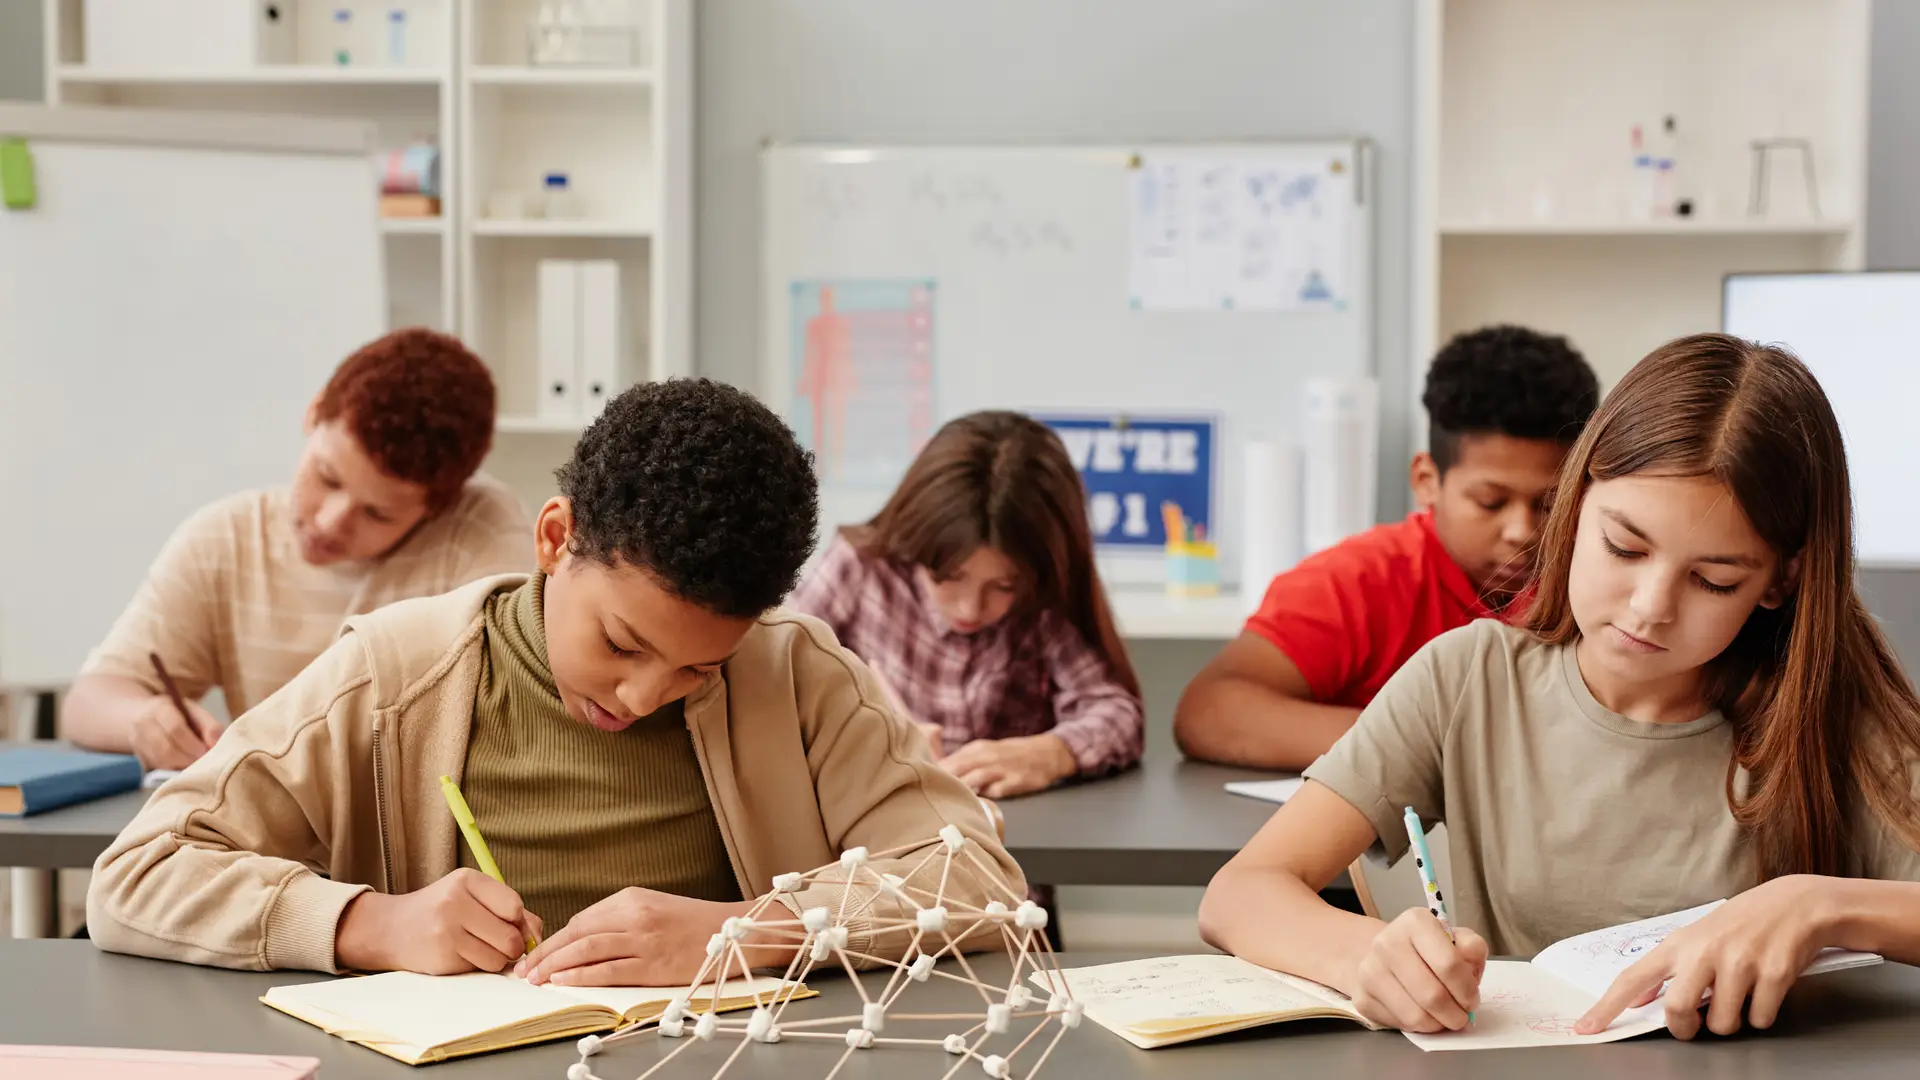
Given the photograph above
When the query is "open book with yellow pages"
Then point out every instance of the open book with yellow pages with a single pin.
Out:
(421, 1019)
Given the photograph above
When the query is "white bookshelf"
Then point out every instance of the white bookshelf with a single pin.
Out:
(623, 137)
(1526, 208)
(623, 134)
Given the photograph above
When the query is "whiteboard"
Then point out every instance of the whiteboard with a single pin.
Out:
(1854, 332)
(1031, 260)
(183, 288)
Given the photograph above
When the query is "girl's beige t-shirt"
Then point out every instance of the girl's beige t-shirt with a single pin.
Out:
(1562, 816)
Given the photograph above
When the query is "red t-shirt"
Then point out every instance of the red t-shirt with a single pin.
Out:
(1349, 616)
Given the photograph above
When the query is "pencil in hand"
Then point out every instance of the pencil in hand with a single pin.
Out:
(179, 702)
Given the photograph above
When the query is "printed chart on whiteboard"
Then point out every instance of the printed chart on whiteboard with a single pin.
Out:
(863, 376)
(1234, 233)
(1136, 468)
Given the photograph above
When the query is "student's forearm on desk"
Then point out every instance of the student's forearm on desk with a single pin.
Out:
(99, 712)
(1875, 916)
(1237, 721)
(1276, 920)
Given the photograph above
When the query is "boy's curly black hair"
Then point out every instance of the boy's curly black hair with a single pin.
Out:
(1507, 380)
(699, 484)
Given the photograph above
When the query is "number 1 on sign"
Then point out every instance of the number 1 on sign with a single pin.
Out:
(1136, 523)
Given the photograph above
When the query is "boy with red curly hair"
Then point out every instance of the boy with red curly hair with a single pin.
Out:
(385, 504)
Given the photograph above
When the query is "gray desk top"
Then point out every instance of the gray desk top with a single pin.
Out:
(1165, 823)
(1853, 1023)
(72, 836)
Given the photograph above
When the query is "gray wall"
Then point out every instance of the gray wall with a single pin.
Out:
(1893, 139)
(1044, 71)
(20, 50)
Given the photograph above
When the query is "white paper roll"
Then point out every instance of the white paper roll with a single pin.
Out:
(1270, 507)
(1342, 442)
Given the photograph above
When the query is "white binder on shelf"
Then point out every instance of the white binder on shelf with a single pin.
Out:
(602, 334)
(559, 339)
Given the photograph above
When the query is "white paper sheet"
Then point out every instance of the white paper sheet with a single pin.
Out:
(1273, 791)
(1240, 233)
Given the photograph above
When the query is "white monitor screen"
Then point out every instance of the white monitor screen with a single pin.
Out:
(1856, 333)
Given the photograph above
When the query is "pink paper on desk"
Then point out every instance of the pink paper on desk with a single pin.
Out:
(99, 1063)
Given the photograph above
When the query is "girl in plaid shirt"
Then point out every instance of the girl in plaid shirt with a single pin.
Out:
(974, 597)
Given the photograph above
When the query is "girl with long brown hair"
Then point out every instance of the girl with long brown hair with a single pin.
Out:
(1699, 707)
(974, 596)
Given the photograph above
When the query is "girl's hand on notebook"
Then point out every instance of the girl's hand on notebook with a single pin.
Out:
(1002, 768)
(466, 921)
(1414, 979)
(636, 937)
(1753, 946)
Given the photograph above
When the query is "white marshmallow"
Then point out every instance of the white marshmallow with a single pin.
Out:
(816, 919)
(931, 920)
(953, 838)
(704, 1027)
(588, 1046)
(954, 1044)
(853, 858)
(579, 1071)
(1030, 916)
(1071, 1018)
(787, 882)
(833, 937)
(673, 1029)
(999, 1018)
(715, 946)
(873, 1016)
(859, 1039)
(675, 1010)
(995, 1066)
(736, 929)
(1020, 997)
(921, 968)
(995, 907)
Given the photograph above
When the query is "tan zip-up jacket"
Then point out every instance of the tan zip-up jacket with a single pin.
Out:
(331, 787)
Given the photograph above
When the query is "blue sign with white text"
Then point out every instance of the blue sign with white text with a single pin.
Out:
(1133, 465)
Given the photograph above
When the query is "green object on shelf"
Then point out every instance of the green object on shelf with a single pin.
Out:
(16, 175)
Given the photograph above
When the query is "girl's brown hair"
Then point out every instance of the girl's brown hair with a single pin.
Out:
(1821, 711)
(1004, 481)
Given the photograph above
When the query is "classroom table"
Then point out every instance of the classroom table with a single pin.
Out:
(68, 838)
(1858, 1023)
(1168, 822)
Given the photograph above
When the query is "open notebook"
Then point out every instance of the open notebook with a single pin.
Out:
(1536, 1003)
(426, 1018)
(1176, 999)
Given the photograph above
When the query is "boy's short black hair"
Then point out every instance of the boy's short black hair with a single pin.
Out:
(702, 486)
(1507, 380)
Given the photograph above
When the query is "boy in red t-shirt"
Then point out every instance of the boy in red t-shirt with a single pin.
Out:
(1504, 404)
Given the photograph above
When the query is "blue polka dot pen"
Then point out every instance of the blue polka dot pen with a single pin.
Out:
(1429, 885)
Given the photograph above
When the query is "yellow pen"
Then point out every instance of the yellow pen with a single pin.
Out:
(462, 815)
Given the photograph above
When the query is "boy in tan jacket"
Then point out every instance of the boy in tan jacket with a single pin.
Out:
(644, 743)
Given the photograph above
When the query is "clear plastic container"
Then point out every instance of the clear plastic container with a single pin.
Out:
(340, 37)
(557, 198)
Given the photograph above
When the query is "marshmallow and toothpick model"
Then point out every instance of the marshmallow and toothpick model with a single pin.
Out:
(821, 938)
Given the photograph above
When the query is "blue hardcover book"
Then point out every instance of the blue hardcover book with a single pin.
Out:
(37, 778)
